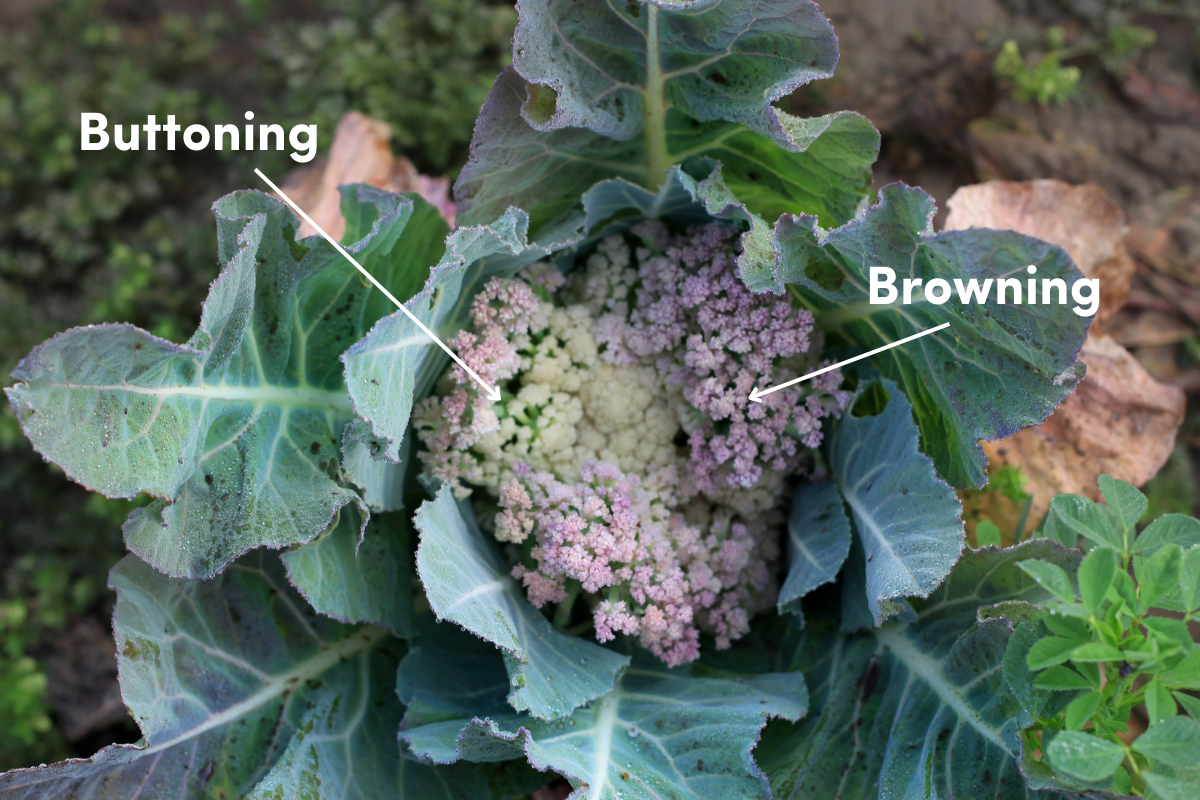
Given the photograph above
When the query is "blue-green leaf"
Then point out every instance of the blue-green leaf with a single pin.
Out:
(238, 432)
(353, 580)
(449, 675)
(659, 733)
(223, 676)
(602, 90)
(466, 582)
(818, 542)
(916, 709)
(907, 519)
(995, 370)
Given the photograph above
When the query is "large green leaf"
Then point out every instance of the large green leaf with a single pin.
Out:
(917, 709)
(614, 67)
(353, 579)
(997, 369)
(659, 733)
(908, 520)
(240, 690)
(238, 432)
(604, 89)
(467, 583)
(818, 542)
(824, 171)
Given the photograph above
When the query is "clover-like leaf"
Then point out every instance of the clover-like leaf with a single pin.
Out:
(997, 369)
(1088, 519)
(907, 519)
(659, 733)
(238, 432)
(1128, 503)
(467, 583)
(1173, 741)
(1053, 577)
(918, 709)
(1177, 529)
(818, 542)
(1176, 786)
(353, 580)
(1096, 576)
(1084, 756)
(1186, 596)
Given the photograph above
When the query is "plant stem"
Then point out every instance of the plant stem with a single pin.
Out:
(654, 106)
(1024, 517)
(563, 615)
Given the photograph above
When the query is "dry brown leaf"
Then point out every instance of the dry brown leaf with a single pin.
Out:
(1148, 329)
(1083, 220)
(1119, 421)
(1164, 233)
(360, 154)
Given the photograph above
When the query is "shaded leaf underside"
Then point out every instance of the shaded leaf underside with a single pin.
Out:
(467, 583)
(659, 733)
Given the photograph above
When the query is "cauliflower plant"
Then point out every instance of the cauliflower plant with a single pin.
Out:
(625, 458)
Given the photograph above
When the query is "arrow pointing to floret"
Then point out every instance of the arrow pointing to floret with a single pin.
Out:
(492, 394)
(756, 396)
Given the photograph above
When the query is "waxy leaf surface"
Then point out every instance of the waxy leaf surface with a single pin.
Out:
(602, 90)
(396, 362)
(818, 542)
(242, 691)
(907, 519)
(826, 173)
(224, 676)
(238, 432)
(359, 580)
(997, 368)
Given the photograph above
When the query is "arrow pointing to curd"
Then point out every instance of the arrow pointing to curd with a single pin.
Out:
(756, 396)
(492, 394)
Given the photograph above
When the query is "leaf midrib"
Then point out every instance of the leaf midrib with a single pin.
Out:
(297, 397)
(323, 661)
(929, 672)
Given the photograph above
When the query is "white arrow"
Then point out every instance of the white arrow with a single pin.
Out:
(756, 396)
(492, 394)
